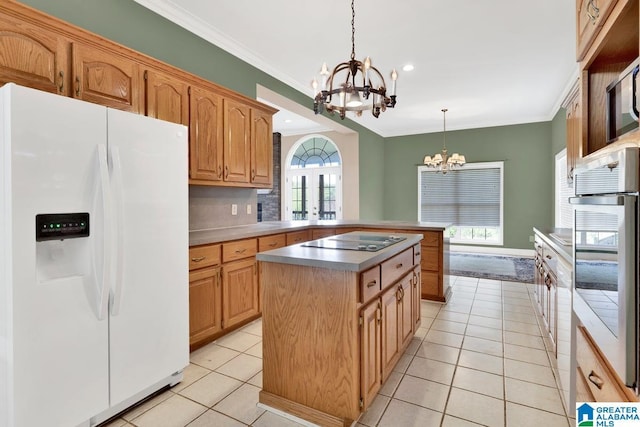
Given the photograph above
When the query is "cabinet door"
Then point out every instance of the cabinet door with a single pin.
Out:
(552, 294)
(261, 148)
(590, 17)
(239, 291)
(167, 98)
(33, 57)
(237, 142)
(370, 381)
(106, 78)
(205, 135)
(405, 311)
(205, 305)
(415, 298)
(390, 347)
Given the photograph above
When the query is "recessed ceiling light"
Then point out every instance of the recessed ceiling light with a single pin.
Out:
(407, 67)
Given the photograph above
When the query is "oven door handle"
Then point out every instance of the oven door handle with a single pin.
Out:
(598, 200)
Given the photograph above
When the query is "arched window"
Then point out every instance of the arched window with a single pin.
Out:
(313, 180)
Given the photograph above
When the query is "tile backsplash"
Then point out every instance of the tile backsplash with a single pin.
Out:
(211, 207)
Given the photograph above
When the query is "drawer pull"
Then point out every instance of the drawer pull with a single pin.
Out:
(548, 256)
(399, 265)
(417, 253)
(371, 284)
(241, 251)
(596, 380)
(272, 244)
(201, 258)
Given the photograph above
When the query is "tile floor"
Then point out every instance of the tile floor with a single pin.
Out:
(478, 360)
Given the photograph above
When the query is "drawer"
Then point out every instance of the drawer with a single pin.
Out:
(204, 256)
(431, 238)
(430, 259)
(369, 284)
(298, 237)
(550, 258)
(319, 233)
(271, 242)
(600, 381)
(417, 254)
(239, 249)
(396, 267)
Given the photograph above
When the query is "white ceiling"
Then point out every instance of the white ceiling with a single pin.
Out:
(490, 62)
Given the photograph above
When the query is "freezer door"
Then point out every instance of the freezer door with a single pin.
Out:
(53, 341)
(149, 309)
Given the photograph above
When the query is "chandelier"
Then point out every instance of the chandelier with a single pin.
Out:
(443, 162)
(351, 84)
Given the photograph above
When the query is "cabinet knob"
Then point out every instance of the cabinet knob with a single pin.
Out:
(596, 380)
(198, 259)
(61, 84)
(219, 172)
(399, 265)
(372, 284)
(226, 172)
(77, 86)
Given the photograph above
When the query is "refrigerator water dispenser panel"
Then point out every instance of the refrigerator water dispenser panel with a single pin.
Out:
(61, 226)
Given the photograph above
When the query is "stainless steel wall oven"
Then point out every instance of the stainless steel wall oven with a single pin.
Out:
(606, 257)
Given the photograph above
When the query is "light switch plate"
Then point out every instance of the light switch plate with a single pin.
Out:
(234, 209)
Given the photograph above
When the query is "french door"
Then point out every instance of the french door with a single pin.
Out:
(313, 194)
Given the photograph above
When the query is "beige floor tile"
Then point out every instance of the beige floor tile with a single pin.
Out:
(425, 323)
(523, 416)
(489, 282)
(429, 309)
(212, 356)
(458, 307)
(255, 351)
(239, 341)
(413, 346)
(524, 316)
(524, 340)
(481, 362)
(484, 332)
(524, 302)
(491, 305)
(241, 404)
(254, 328)
(391, 384)
(453, 316)
(373, 414)
(192, 373)
(476, 407)
(482, 345)
(529, 372)
(256, 380)
(526, 354)
(489, 295)
(442, 353)
(211, 389)
(241, 367)
(118, 422)
(449, 326)
(516, 293)
(523, 328)
(403, 363)
(427, 394)
(449, 421)
(487, 322)
(487, 312)
(176, 411)
(479, 382)
(400, 413)
(269, 419)
(422, 330)
(432, 370)
(213, 418)
(144, 407)
(534, 395)
(444, 338)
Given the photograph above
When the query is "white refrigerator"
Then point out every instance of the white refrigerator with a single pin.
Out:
(93, 259)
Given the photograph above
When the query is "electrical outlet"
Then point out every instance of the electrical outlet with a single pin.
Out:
(234, 209)
(249, 209)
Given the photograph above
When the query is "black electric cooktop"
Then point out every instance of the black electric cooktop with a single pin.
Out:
(355, 242)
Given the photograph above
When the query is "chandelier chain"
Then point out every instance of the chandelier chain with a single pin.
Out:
(353, 30)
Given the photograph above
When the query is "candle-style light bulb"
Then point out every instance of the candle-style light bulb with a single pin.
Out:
(394, 77)
(325, 75)
(367, 66)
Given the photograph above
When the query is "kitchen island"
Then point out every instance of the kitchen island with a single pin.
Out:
(335, 322)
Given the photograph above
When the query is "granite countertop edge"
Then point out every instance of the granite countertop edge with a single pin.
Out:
(349, 260)
(224, 234)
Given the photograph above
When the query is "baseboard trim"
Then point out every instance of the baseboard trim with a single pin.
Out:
(529, 253)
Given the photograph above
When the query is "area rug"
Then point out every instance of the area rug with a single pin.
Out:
(512, 269)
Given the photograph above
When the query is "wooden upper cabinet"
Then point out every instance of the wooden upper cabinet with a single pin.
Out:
(590, 17)
(106, 78)
(205, 135)
(237, 140)
(167, 98)
(32, 56)
(261, 148)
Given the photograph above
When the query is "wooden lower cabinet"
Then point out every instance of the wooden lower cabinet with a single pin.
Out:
(397, 323)
(370, 355)
(239, 292)
(205, 308)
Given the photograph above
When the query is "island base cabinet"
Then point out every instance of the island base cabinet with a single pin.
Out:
(370, 342)
(397, 323)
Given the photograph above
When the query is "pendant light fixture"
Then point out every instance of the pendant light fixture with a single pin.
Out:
(443, 162)
(353, 85)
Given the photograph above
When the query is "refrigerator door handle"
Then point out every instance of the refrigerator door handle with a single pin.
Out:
(103, 285)
(118, 253)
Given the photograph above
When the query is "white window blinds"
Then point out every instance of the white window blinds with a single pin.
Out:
(564, 211)
(467, 197)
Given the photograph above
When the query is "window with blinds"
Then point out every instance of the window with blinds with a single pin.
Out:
(470, 198)
(563, 209)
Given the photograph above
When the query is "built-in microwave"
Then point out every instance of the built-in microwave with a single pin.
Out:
(622, 103)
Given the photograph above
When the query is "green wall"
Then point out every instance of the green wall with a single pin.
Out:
(388, 175)
(525, 150)
(134, 26)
